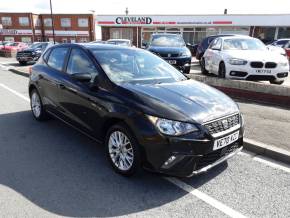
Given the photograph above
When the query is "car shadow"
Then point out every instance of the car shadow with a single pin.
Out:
(65, 173)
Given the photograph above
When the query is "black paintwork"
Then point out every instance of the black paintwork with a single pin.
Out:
(32, 54)
(94, 107)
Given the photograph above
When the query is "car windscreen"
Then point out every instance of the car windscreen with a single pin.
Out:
(167, 41)
(136, 66)
(243, 44)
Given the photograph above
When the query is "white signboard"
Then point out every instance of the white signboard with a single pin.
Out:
(67, 33)
(15, 32)
(194, 20)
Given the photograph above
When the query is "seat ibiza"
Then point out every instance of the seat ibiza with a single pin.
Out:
(146, 113)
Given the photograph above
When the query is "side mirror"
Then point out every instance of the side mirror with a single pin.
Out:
(82, 77)
(188, 44)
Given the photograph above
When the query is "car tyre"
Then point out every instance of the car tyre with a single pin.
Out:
(123, 150)
(222, 70)
(38, 111)
(202, 66)
(187, 70)
(22, 62)
(277, 82)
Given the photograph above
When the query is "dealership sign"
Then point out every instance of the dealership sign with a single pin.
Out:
(133, 20)
(195, 20)
(15, 32)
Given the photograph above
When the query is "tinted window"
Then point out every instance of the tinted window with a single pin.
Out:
(79, 62)
(46, 54)
(57, 57)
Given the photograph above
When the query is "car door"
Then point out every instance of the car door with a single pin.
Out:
(216, 55)
(49, 77)
(208, 56)
(77, 100)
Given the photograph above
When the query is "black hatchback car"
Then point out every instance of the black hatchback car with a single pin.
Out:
(32, 53)
(145, 112)
(172, 48)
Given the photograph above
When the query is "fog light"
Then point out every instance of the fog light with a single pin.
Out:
(170, 160)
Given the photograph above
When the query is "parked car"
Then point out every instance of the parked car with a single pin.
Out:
(14, 46)
(244, 57)
(172, 48)
(145, 112)
(287, 49)
(192, 48)
(32, 53)
(98, 42)
(120, 42)
(203, 45)
(280, 42)
(3, 43)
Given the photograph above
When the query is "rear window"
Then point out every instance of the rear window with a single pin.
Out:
(57, 57)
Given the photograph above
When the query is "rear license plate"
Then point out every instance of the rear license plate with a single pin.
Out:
(171, 61)
(263, 71)
(223, 142)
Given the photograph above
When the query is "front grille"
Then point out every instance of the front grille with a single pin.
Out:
(215, 156)
(22, 54)
(257, 64)
(166, 55)
(260, 77)
(222, 124)
(270, 65)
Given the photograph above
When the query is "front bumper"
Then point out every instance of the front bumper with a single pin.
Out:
(187, 155)
(27, 57)
(181, 63)
(246, 72)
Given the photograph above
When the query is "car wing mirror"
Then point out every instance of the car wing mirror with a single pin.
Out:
(82, 77)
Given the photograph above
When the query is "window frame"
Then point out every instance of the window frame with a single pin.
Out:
(22, 24)
(87, 55)
(65, 18)
(6, 23)
(83, 18)
(65, 59)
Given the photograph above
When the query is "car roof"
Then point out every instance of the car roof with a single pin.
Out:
(282, 39)
(93, 46)
(237, 37)
(166, 34)
(111, 40)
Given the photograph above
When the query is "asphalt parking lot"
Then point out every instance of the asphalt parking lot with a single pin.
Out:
(49, 169)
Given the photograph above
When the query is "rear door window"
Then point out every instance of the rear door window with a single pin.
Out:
(57, 58)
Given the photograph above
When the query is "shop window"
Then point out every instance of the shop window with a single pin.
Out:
(26, 39)
(148, 29)
(9, 38)
(188, 37)
(6, 21)
(23, 21)
(121, 33)
(188, 29)
(83, 22)
(284, 32)
(84, 39)
(47, 22)
(266, 34)
(65, 22)
(64, 40)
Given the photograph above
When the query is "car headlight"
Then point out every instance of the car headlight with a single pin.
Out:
(236, 61)
(171, 127)
(185, 53)
(284, 64)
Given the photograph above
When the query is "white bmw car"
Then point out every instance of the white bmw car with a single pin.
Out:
(244, 57)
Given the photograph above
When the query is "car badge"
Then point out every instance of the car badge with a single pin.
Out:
(225, 124)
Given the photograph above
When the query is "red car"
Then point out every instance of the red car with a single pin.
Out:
(14, 46)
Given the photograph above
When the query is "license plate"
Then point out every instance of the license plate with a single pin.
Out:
(223, 142)
(264, 71)
(171, 61)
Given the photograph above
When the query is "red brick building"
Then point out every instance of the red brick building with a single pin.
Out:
(29, 27)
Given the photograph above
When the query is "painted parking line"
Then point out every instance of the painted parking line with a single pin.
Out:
(15, 92)
(206, 198)
(266, 161)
